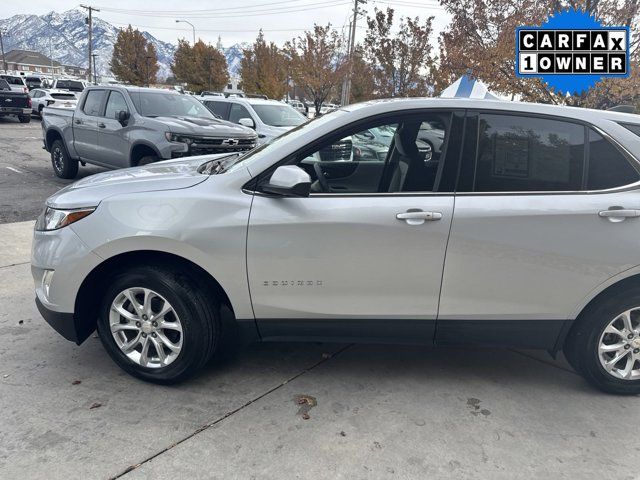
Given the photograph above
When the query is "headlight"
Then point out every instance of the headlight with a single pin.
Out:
(174, 137)
(52, 218)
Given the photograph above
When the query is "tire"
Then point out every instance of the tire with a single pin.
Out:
(24, 118)
(193, 309)
(63, 165)
(147, 159)
(582, 346)
(40, 108)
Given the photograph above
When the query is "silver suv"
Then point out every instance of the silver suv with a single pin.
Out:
(520, 231)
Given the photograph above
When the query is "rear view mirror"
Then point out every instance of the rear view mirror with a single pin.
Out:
(247, 122)
(122, 116)
(289, 181)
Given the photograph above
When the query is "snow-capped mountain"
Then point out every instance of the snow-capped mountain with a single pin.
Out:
(63, 37)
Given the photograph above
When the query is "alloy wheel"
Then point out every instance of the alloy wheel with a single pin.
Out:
(145, 327)
(58, 159)
(619, 346)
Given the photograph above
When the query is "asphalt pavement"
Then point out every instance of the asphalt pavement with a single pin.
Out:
(307, 411)
(26, 175)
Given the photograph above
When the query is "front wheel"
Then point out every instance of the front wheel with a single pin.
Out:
(604, 344)
(63, 165)
(158, 324)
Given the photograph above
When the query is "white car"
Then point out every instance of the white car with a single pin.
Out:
(298, 106)
(522, 232)
(41, 98)
(269, 118)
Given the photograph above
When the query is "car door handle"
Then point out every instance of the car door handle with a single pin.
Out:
(418, 217)
(78, 122)
(618, 214)
(101, 125)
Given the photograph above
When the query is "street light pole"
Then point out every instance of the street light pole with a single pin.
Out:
(90, 23)
(194, 28)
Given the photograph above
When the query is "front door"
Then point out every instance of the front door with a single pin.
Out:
(362, 256)
(528, 244)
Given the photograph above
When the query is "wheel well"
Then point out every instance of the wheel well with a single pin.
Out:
(89, 298)
(52, 136)
(139, 151)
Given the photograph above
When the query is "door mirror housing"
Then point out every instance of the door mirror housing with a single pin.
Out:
(289, 181)
(122, 116)
(247, 122)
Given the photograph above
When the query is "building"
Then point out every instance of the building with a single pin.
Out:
(73, 71)
(27, 61)
(233, 86)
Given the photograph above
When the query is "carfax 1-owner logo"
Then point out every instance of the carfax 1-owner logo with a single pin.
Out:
(572, 51)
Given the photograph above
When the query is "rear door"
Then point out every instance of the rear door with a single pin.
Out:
(113, 140)
(533, 231)
(362, 256)
(85, 124)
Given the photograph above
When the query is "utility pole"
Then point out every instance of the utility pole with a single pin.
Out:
(95, 72)
(90, 23)
(346, 92)
(4, 59)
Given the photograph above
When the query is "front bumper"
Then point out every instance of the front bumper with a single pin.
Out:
(63, 323)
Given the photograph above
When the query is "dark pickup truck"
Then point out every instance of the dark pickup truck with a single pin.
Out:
(14, 103)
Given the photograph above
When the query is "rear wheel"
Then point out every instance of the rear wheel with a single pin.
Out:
(63, 165)
(604, 344)
(40, 108)
(24, 118)
(158, 324)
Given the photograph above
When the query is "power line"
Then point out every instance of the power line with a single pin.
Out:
(245, 13)
(197, 12)
(212, 30)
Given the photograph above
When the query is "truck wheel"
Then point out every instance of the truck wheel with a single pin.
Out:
(63, 166)
(147, 159)
(24, 118)
(40, 108)
(158, 324)
(604, 343)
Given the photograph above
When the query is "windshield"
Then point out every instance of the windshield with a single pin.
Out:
(290, 136)
(279, 115)
(63, 96)
(168, 104)
(72, 85)
(13, 80)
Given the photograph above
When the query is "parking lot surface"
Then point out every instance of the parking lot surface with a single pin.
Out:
(373, 411)
(26, 175)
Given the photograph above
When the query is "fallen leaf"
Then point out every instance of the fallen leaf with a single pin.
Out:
(95, 405)
(302, 401)
(76, 382)
(306, 416)
(343, 434)
(20, 322)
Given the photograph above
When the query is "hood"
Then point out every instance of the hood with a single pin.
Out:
(205, 126)
(166, 175)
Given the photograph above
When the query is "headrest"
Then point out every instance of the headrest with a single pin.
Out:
(405, 141)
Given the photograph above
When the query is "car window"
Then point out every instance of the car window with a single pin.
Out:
(72, 85)
(520, 153)
(115, 104)
(62, 96)
(608, 168)
(237, 112)
(93, 103)
(279, 115)
(218, 108)
(11, 80)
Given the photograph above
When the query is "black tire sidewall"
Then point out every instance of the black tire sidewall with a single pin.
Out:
(69, 167)
(586, 338)
(187, 304)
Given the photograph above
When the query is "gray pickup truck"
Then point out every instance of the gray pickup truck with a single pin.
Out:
(118, 127)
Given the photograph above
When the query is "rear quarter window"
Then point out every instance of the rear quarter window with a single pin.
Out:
(608, 167)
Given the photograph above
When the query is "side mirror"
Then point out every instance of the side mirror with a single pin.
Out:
(122, 116)
(289, 181)
(247, 122)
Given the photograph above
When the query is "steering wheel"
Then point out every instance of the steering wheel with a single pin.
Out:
(322, 180)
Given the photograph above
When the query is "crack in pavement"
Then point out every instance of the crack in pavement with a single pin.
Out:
(14, 264)
(229, 414)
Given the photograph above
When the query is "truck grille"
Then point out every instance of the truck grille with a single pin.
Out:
(336, 151)
(218, 145)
